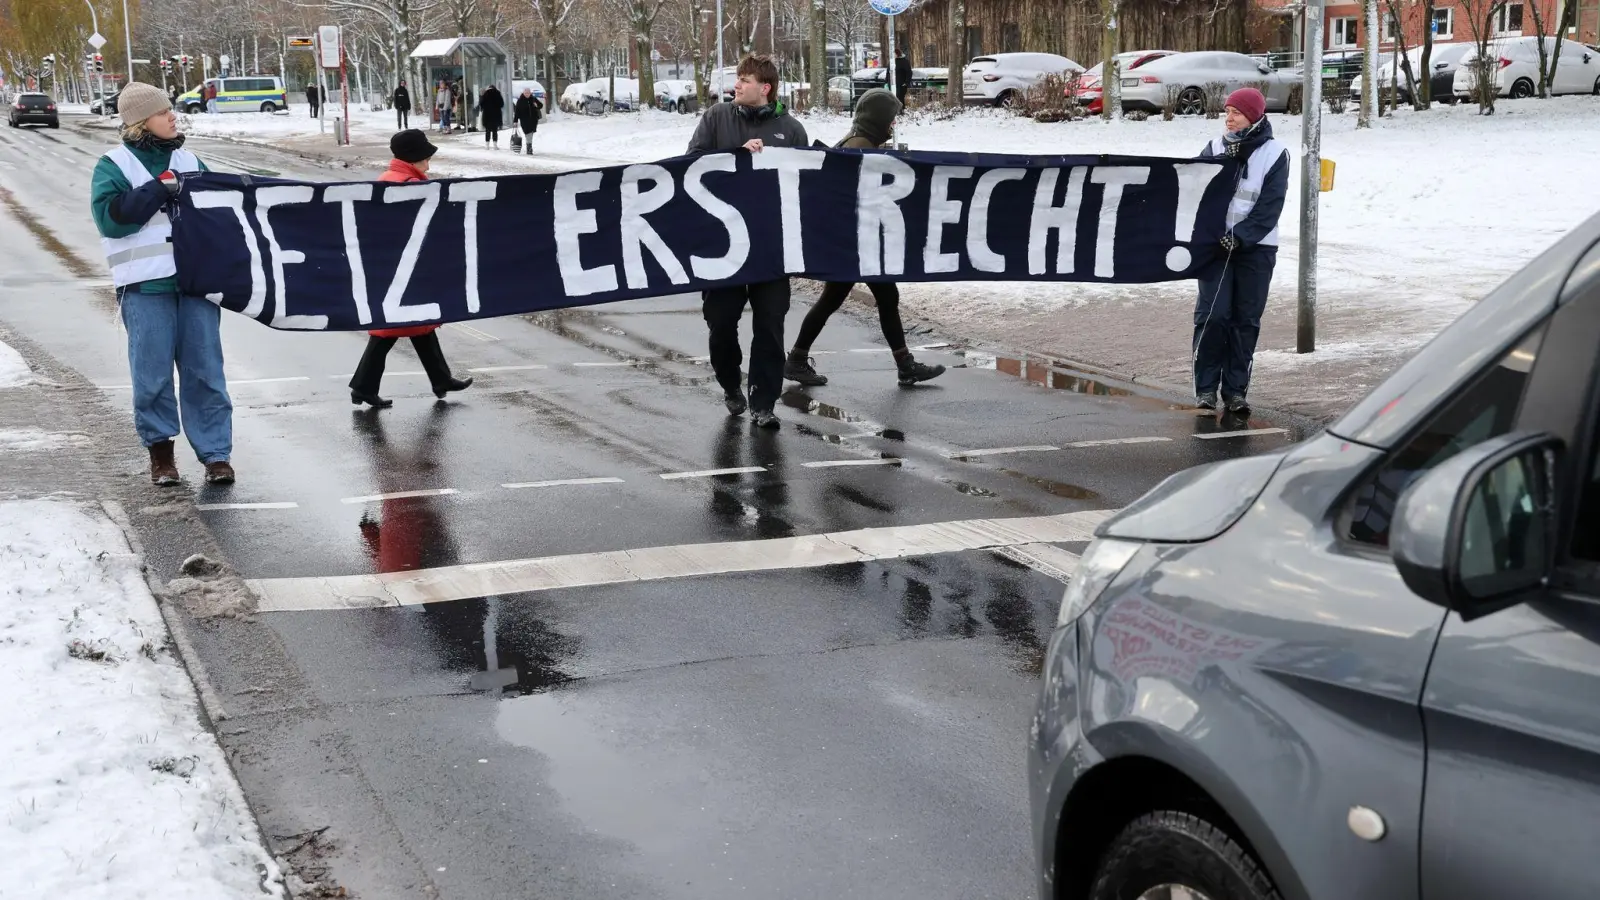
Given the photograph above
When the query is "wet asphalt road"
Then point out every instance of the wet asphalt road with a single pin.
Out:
(854, 729)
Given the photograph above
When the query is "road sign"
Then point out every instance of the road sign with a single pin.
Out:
(96, 41)
(890, 7)
(328, 55)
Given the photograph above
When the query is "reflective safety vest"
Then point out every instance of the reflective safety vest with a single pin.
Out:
(145, 255)
(1250, 184)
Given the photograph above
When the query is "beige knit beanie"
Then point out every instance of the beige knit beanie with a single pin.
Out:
(139, 101)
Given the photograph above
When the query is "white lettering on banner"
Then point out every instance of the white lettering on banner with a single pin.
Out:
(1063, 218)
(880, 227)
(393, 312)
(347, 195)
(470, 194)
(637, 234)
(789, 163)
(942, 211)
(266, 199)
(1115, 178)
(571, 225)
(234, 200)
(978, 253)
(1193, 179)
(727, 266)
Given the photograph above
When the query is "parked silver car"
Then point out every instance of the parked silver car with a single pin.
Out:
(1002, 79)
(1261, 663)
(1188, 74)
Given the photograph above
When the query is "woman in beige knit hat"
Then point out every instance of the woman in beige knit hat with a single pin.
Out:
(133, 182)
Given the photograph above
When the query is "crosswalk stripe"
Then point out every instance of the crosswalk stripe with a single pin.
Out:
(462, 582)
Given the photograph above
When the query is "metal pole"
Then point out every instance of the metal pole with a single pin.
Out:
(720, 86)
(1311, 178)
(892, 65)
(344, 92)
(127, 37)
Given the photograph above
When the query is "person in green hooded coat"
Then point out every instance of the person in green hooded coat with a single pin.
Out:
(874, 121)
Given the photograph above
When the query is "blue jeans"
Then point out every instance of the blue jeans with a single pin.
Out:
(166, 330)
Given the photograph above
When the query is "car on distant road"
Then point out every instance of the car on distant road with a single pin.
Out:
(1361, 666)
(109, 102)
(1517, 69)
(1186, 77)
(1091, 86)
(33, 108)
(1003, 79)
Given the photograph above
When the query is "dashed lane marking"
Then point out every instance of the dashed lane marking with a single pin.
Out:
(1113, 441)
(487, 369)
(707, 473)
(561, 482)
(997, 451)
(606, 365)
(1217, 435)
(401, 495)
(474, 333)
(461, 582)
(840, 463)
(217, 507)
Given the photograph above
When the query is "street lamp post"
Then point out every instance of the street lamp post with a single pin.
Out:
(127, 38)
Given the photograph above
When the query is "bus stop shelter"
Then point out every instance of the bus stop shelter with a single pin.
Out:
(476, 62)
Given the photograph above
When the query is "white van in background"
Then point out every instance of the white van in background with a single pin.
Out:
(1517, 72)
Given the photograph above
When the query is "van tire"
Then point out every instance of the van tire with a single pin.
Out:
(1178, 848)
(193, 109)
(269, 107)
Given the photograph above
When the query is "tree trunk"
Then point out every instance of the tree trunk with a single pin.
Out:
(1405, 58)
(1564, 11)
(1110, 73)
(819, 53)
(1369, 66)
(955, 90)
(1425, 97)
(1546, 68)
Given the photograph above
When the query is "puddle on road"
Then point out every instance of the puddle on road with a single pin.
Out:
(797, 400)
(501, 646)
(1042, 370)
(1055, 488)
(971, 490)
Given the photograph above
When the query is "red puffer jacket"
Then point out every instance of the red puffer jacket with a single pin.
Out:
(400, 171)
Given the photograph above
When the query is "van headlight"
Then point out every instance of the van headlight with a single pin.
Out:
(1100, 565)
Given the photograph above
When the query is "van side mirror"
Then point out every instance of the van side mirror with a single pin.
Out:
(1479, 531)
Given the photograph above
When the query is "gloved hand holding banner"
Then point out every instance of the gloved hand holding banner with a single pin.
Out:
(366, 255)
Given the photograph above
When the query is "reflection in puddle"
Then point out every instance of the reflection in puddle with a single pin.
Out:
(971, 490)
(1056, 488)
(1041, 370)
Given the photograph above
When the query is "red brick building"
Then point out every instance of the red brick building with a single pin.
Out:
(1275, 24)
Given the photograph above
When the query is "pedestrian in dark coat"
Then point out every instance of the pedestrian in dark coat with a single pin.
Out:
(1227, 314)
(902, 75)
(314, 99)
(411, 150)
(872, 128)
(402, 107)
(492, 106)
(527, 112)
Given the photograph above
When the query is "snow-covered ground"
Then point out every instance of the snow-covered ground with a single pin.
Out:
(14, 369)
(112, 787)
(1430, 211)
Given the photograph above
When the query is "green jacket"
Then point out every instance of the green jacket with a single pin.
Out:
(107, 185)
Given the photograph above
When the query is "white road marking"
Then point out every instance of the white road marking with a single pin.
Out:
(996, 451)
(385, 374)
(473, 332)
(707, 473)
(461, 582)
(605, 365)
(561, 482)
(1216, 435)
(1112, 441)
(401, 495)
(1046, 559)
(930, 346)
(232, 382)
(212, 507)
(528, 368)
(836, 463)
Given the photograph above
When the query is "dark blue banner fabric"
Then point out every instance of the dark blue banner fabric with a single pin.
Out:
(373, 255)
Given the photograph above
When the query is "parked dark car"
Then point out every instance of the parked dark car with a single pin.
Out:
(1260, 664)
(1340, 67)
(111, 103)
(34, 109)
(922, 79)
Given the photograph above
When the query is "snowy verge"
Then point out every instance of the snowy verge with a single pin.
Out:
(112, 786)
(14, 370)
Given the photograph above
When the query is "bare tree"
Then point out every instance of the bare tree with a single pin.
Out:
(1369, 65)
(819, 51)
(1425, 99)
(1400, 23)
(1110, 74)
(1546, 70)
(956, 89)
(1485, 66)
(553, 15)
(1565, 10)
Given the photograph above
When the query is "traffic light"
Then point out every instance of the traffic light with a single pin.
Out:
(48, 66)
(99, 63)
(88, 62)
(166, 66)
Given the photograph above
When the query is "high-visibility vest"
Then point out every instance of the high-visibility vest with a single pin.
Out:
(145, 255)
(1255, 177)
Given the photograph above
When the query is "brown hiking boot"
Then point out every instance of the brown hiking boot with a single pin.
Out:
(219, 473)
(163, 468)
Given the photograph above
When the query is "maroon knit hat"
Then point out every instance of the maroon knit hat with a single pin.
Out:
(1249, 102)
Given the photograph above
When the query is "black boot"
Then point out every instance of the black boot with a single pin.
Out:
(912, 371)
(433, 362)
(799, 368)
(369, 374)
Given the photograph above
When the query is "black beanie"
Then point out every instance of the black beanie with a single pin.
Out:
(411, 146)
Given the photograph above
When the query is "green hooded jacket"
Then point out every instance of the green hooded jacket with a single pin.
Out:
(875, 114)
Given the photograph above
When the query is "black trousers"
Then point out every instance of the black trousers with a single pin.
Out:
(769, 304)
(833, 296)
(314, 108)
(369, 372)
(491, 134)
(401, 118)
(1227, 321)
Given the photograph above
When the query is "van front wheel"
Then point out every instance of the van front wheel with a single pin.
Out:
(1168, 855)
(269, 107)
(193, 109)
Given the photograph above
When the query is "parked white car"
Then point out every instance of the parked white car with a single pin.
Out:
(1002, 79)
(1517, 75)
(1145, 89)
(1443, 60)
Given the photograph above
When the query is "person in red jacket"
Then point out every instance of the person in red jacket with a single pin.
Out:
(411, 150)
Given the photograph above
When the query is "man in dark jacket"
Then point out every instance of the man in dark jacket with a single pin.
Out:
(902, 75)
(1227, 314)
(527, 112)
(402, 106)
(314, 98)
(492, 106)
(754, 120)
